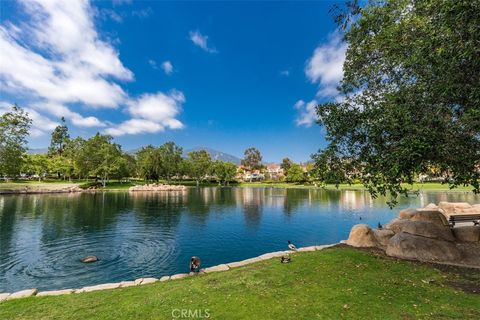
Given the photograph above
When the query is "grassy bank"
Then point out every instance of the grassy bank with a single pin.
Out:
(330, 284)
(416, 186)
(36, 185)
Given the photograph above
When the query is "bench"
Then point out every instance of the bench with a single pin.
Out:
(475, 218)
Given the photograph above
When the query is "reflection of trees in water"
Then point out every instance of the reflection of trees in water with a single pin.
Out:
(294, 199)
(226, 197)
(165, 208)
(8, 211)
(352, 200)
(251, 200)
(203, 200)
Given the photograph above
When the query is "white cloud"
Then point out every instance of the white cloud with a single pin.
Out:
(151, 113)
(201, 40)
(153, 64)
(56, 63)
(111, 14)
(307, 113)
(60, 110)
(167, 67)
(143, 13)
(135, 126)
(285, 73)
(325, 67)
(121, 2)
(59, 57)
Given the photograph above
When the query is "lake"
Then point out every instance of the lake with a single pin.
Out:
(42, 237)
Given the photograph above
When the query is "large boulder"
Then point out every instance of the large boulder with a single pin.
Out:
(362, 235)
(407, 213)
(431, 215)
(421, 228)
(470, 253)
(424, 214)
(467, 234)
(383, 236)
(431, 206)
(455, 207)
(408, 246)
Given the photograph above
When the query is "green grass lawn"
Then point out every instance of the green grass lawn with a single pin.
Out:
(31, 184)
(430, 186)
(336, 283)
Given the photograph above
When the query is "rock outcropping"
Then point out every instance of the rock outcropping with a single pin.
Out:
(424, 234)
(157, 187)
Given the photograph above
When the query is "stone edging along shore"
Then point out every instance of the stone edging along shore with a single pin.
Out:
(142, 281)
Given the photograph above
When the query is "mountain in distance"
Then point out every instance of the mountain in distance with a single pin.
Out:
(215, 155)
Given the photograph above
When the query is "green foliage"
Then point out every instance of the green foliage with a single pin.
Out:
(14, 126)
(162, 162)
(199, 165)
(295, 173)
(411, 92)
(286, 164)
(127, 166)
(170, 158)
(99, 157)
(147, 163)
(224, 171)
(61, 166)
(252, 159)
(36, 164)
(60, 137)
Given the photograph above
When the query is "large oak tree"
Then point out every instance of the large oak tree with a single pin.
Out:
(410, 96)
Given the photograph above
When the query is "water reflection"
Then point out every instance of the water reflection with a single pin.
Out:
(42, 237)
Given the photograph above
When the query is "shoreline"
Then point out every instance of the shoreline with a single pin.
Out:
(75, 188)
(4, 296)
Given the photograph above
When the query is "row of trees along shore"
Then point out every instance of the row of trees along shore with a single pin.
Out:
(101, 159)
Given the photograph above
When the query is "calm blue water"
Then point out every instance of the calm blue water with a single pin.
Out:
(42, 237)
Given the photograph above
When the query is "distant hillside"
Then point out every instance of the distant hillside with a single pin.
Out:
(215, 154)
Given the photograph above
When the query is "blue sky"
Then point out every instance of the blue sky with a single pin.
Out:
(225, 75)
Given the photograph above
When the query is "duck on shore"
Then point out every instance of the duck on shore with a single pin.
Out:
(195, 263)
(291, 246)
(285, 258)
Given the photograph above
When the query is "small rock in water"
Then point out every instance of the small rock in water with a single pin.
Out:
(89, 259)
